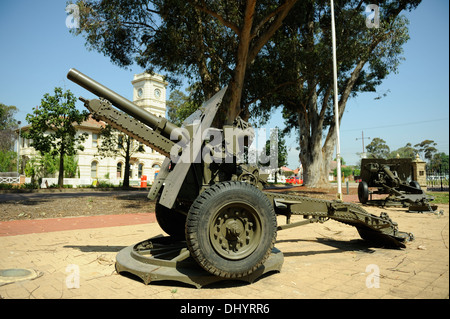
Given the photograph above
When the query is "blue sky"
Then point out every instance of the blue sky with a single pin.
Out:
(38, 50)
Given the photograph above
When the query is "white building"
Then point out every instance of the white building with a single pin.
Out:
(149, 92)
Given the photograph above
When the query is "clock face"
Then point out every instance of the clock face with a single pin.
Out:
(140, 92)
(157, 93)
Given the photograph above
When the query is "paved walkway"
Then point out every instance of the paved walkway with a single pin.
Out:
(76, 258)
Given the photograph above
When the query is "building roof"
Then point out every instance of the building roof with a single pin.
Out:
(90, 123)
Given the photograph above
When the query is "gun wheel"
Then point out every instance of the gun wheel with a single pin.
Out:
(363, 192)
(172, 222)
(231, 229)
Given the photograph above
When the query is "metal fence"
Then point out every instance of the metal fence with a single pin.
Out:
(437, 180)
(9, 178)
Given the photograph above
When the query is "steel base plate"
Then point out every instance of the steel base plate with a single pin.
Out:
(422, 208)
(163, 258)
(385, 203)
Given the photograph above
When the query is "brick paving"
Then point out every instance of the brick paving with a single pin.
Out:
(320, 261)
(21, 227)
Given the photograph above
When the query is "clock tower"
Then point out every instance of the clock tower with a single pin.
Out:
(149, 92)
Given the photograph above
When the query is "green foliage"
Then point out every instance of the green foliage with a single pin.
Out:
(406, 151)
(377, 148)
(6, 186)
(7, 126)
(48, 164)
(112, 143)
(295, 71)
(52, 127)
(180, 106)
(281, 150)
(22, 186)
(440, 162)
(266, 58)
(33, 169)
(345, 170)
(426, 148)
(8, 161)
(211, 43)
(70, 166)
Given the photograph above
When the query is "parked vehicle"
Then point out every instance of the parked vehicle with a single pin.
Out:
(294, 180)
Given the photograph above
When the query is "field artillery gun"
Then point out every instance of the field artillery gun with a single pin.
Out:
(216, 209)
(392, 177)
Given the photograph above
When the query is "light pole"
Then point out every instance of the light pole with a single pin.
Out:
(363, 154)
(336, 105)
(18, 148)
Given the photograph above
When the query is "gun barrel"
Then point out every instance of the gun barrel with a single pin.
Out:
(122, 103)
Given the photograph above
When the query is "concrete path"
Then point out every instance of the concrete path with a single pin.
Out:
(320, 261)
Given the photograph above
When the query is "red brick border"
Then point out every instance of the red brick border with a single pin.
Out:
(21, 227)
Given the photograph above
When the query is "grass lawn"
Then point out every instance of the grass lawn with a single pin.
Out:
(439, 197)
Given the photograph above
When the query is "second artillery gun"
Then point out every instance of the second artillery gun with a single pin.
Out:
(392, 177)
(220, 213)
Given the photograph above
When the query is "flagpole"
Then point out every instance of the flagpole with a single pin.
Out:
(336, 106)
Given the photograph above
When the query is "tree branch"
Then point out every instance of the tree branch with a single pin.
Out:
(266, 19)
(325, 102)
(141, 24)
(203, 7)
(264, 37)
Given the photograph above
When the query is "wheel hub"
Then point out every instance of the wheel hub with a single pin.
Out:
(233, 233)
(234, 228)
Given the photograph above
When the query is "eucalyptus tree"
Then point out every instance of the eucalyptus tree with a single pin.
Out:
(298, 77)
(212, 42)
(269, 53)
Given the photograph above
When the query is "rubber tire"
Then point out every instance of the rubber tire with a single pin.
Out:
(363, 192)
(172, 222)
(208, 206)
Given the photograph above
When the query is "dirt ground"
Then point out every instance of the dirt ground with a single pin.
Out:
(46, 205)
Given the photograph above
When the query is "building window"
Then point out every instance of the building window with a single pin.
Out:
(140, 170)
(94, 139)
(94, 166)
(119, 170)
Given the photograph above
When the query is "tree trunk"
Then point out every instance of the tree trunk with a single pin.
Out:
(61, 167)
(230, 107)
(315, 166)
(126, 175)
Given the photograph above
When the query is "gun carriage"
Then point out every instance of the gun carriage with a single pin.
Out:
(220, 215)
(392, 177)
